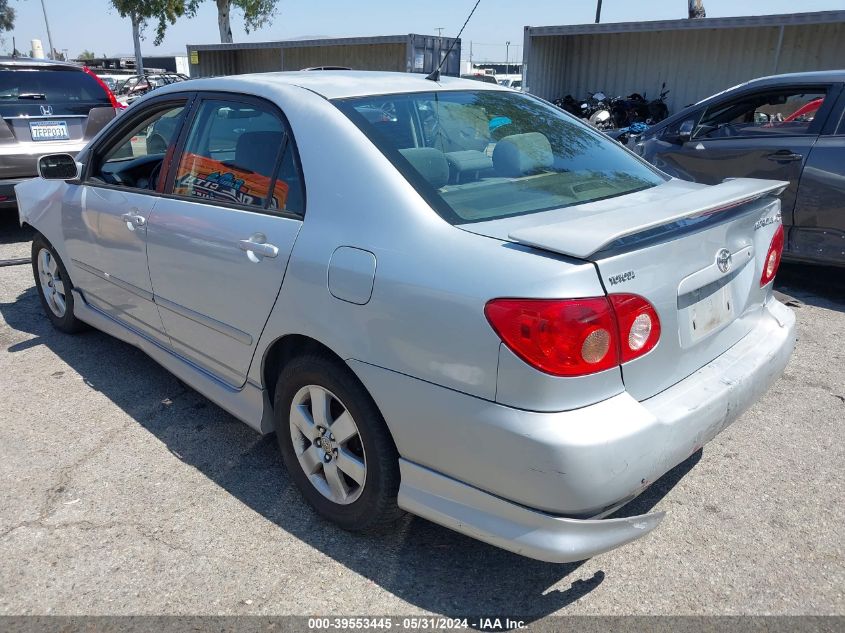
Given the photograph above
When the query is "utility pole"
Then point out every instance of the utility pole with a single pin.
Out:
(598, 11)
(507, 58)
(439, 30)
(49, 38)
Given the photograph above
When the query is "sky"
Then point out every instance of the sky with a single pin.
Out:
(93, 25)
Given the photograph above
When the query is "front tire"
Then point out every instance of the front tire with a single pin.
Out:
(336, 445)
(54, 286)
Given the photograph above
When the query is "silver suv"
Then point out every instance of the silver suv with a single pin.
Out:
(46, 107)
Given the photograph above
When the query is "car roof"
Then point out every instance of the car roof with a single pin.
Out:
(812, 77)
(31, 63)
(341, 84)
(807, 77)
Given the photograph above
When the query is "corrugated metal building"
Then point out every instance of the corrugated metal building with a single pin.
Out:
(696, 58)
(401, 53)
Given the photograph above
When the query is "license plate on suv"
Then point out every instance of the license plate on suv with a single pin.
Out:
(49, 130)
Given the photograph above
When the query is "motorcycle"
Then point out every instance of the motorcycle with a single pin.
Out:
(598, 111)
(632, 109)
(569, 104)
(657, 108)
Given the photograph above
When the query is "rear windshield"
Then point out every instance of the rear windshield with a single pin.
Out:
(483, 155)
(52, 86)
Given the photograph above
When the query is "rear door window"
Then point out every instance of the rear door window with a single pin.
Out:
(779, 112)
(232, 156)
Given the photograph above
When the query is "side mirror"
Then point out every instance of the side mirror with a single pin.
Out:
(685, 130)
(58, 167)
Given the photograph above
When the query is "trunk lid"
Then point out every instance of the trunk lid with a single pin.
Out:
(666, 244)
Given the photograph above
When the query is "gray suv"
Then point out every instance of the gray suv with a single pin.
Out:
(45, 107)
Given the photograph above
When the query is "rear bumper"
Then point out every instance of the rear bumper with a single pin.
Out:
(512, 477)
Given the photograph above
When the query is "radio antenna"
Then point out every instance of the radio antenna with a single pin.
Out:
(435, 74)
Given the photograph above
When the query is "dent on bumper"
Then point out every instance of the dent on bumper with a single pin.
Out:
(583, 462)
(539, 470)
(513, 527)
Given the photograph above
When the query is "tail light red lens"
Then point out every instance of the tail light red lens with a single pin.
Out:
(773, 257)
(568, 337)
(576, 337)
(639, 325)
(112, 99)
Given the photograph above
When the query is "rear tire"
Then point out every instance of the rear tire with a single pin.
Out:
(54, 286)
(335, 444)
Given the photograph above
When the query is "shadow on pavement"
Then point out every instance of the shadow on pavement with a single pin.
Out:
(424, 564)
(821, 286)
(10, 231)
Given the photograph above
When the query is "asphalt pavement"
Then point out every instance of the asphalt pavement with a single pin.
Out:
(126, 492)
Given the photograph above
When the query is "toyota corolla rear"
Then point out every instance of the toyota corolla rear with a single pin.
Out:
(599, 394)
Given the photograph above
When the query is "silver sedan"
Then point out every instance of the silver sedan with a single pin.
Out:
(445, 297)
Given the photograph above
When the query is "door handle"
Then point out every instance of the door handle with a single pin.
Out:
(133, 219)
(256, 247)
(785, 156)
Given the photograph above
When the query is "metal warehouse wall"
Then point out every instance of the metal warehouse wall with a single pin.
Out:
(364, 56)
(400, 53)
(694, 63)
(214, 63)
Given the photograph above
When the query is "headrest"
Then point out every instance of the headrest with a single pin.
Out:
(521, 154)
(257, 151)
(468, 160)
(430, 162)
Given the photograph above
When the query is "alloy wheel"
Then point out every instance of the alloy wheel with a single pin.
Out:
(327, 444)
(52, 284)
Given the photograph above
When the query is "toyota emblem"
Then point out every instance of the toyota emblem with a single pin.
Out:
(723, 260)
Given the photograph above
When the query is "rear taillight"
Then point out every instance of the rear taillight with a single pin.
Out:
(114, 102)
(568, 337)
(639, 326)
(575, 337)
(773, 257)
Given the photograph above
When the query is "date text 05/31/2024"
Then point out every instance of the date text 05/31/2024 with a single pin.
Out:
(414, 623)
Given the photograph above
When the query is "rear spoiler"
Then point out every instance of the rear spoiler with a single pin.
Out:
(595, 226)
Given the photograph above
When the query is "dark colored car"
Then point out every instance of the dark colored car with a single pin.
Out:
(785, 127)
(45, 107)
(139, 85)
(490, 79)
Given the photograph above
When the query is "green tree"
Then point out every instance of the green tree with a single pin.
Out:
(257, 13)
(7, 16)
(139, 11)
(86, 54)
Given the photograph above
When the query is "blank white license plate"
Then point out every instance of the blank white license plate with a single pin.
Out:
(711, 313)
(49, 130)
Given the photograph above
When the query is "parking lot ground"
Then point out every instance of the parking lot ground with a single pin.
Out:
(124, 492)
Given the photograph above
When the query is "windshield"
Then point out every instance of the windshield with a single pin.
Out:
(483, 155)
(56, 86)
